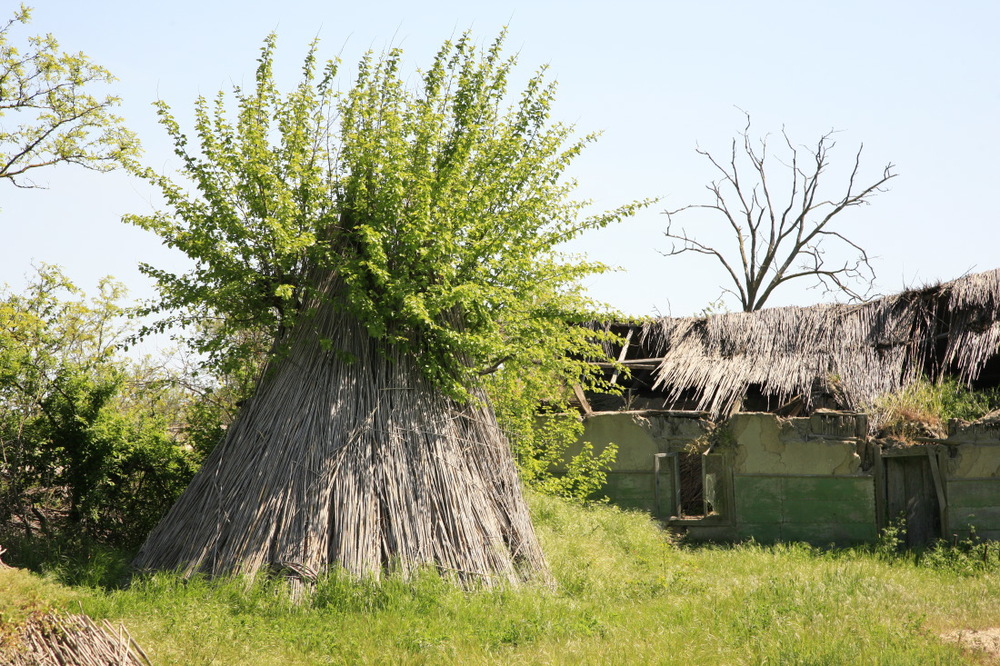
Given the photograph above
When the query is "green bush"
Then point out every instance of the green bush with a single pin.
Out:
(119, 469)
(88, 440)
(543, 432)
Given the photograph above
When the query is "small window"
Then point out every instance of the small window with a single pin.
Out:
(689, 485)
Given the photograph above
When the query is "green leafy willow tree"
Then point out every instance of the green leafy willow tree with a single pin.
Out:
(57, 120)
(399, 244)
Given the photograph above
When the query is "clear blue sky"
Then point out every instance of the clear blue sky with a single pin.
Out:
(917, 82)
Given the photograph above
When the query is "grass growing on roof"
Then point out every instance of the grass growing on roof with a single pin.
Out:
(924, 408)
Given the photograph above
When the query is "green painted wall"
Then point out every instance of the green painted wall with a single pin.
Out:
(631, 483)
(976, 503)
(801, 479)
(972, 481)
(797, 479)
(820, 510)
(632, 490)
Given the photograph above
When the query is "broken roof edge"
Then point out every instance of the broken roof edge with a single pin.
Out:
(858, 351)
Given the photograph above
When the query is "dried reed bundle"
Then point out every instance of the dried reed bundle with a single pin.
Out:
(975, 327)
(868, 350)
(347, 457)
(73, 640)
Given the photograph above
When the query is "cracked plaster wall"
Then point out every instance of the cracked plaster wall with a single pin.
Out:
(640, 437)
(767, 444)
(974, 451)
(763, 443)
(973, 461)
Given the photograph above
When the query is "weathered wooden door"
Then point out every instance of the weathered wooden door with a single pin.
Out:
(911, 493)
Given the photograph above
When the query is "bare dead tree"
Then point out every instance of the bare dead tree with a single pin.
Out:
(782, 230)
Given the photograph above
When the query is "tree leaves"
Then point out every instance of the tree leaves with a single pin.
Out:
(437, 207)
(82, 430)
(58, 120)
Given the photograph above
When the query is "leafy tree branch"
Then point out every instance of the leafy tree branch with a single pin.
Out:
(56, 119)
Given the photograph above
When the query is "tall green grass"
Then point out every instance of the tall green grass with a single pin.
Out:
(626, 592)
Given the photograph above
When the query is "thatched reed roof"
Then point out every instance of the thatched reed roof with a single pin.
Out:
(857, 352)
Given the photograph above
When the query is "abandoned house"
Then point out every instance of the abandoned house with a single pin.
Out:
(761, 424)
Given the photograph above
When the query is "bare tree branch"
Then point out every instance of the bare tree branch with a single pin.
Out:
(781, 234)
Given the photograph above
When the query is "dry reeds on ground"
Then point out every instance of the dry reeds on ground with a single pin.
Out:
(72, 640)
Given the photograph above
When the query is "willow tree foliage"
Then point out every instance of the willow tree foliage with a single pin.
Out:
(46, 92)
(399, 242)
(440, 210)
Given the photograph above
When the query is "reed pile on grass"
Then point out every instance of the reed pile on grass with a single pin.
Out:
(72, 640)
(346, 457)
(862, 351)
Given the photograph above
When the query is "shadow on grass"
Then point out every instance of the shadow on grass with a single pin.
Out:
(69, 560)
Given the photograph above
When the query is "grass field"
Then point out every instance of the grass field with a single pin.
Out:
(625, 593)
